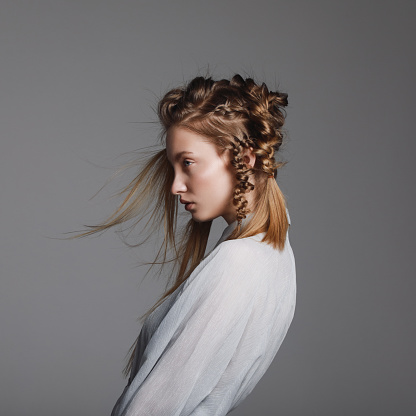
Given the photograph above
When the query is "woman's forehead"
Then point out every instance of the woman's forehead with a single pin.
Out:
(180, 142)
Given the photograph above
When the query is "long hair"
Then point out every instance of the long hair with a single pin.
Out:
(234, 115)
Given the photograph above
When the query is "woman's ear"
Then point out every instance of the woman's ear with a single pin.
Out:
(249, 157)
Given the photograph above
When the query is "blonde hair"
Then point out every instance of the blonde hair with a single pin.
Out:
(234, 115)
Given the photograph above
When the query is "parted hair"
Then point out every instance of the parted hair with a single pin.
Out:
(234, 115)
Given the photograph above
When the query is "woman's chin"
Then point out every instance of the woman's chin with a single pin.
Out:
(201, 218)
(198, 219)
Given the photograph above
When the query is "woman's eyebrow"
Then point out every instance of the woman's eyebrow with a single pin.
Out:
(180, 154)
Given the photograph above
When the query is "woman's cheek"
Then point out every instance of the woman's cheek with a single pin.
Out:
(202, 179)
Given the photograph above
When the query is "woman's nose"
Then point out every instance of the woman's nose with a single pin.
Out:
(178, 185)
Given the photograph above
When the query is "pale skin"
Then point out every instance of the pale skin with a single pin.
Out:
(204, 179)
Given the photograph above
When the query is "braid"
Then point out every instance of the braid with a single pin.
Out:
(242, 174)
(267, 118)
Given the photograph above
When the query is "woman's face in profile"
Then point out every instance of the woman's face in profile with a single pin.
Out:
(203, 179)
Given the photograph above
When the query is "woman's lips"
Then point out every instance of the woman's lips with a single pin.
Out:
(189, 206)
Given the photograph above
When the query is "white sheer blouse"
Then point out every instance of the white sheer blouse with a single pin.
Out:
(202, 351)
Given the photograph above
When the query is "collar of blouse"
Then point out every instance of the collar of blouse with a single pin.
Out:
(229, 229)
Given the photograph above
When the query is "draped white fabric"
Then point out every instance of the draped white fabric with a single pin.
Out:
(202, 351)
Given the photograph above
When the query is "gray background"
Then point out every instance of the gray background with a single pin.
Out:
(77, 76)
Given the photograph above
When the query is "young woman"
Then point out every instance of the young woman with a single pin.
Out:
(210, 338)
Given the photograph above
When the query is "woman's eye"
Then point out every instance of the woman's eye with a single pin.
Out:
(187, 163)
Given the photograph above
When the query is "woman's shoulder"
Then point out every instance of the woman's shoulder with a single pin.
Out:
(242, 266)
(246, 245)
(255, 256)
(249, 253)
(251, 248)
